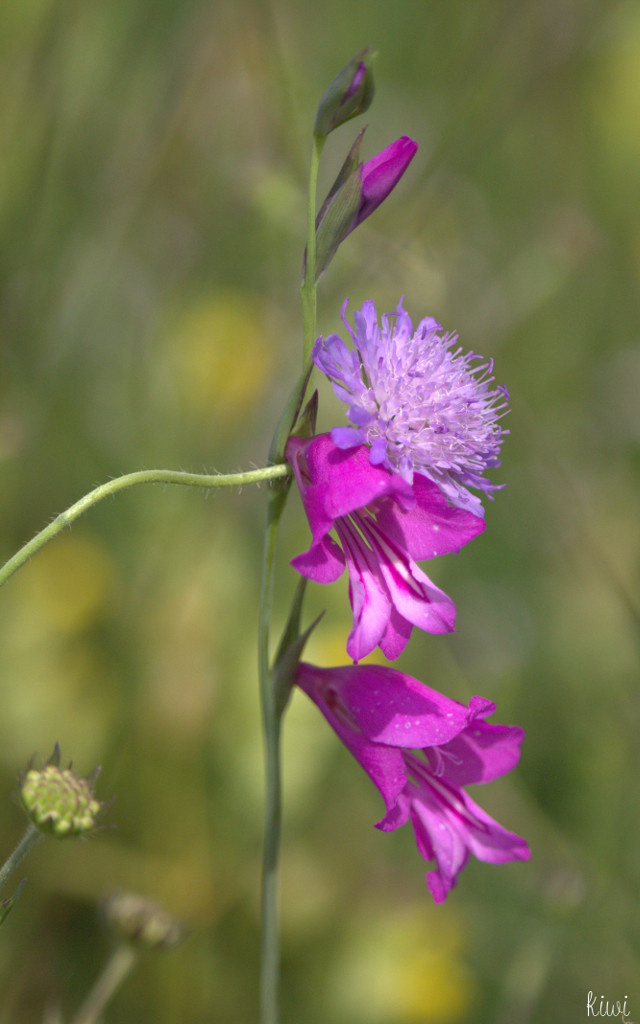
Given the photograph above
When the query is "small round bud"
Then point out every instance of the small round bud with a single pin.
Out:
(57, 802)
(141, 922)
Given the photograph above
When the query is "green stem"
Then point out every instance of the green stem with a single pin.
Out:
(270, 943)
(308, 291)
(120, 483)
(29, 840)
(116, 969)
(271, 713)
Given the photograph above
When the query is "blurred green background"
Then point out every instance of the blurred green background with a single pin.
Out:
(153, 161)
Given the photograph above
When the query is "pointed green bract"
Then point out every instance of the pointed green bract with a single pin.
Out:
(339, 213)
(290, 649)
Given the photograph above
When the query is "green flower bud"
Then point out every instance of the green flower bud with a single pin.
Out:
(57, 802)
(141, 922)
(350, 94)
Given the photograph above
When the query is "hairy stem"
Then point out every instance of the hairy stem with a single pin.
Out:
(121, 483)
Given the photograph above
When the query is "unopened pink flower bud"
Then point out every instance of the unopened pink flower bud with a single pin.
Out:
(381, 174)
(358, 190)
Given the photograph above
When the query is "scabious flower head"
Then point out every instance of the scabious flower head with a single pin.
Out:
(57, 801)
(384, 526)
(420, 748)
(141, 922)
(420, 404)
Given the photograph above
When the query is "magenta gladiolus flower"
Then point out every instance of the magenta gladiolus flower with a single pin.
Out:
(384, 525)
(420, 405)
(420, 748)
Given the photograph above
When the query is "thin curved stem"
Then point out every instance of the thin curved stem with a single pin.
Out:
(116, 969)
(121, 483)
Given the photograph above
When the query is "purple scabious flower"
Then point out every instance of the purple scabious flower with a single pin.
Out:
(419, 403)
(384, 525)
(420, 748)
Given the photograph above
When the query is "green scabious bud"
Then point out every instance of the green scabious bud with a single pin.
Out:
(57, 802)
(350, 94)
(141, 922)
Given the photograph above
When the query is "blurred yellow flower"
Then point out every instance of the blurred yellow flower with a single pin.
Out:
(404, 967)
(68, 584)
(616, 91)
(224, 356)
